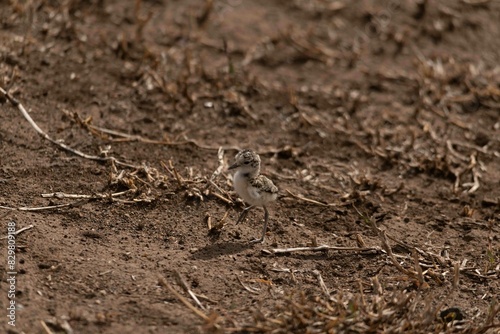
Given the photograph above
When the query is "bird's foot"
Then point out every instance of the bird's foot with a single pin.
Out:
(256, 241)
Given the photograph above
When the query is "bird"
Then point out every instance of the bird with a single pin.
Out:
(255, 189)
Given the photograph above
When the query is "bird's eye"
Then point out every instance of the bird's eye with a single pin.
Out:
(246, 162)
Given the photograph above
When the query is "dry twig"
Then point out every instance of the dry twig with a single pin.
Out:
(104, 132)
(94, 196)
(51, 207)
(251, 290)
(227, 199)
(383, 238)
(19, 231)
(420, 276)
(180, 280)
(456, 275)
(308, 200)
(321, 248)
(27, 116)
(322, 284)
(220, 167)
(163, 282)
(45, 327)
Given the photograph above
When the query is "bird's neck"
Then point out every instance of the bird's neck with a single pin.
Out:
(248, 174)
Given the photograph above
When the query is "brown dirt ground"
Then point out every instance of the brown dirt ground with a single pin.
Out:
(386, 110)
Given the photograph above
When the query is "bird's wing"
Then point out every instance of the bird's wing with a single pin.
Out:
(264, 184)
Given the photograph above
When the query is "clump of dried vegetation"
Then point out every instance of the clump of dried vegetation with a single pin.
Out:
(386, 312)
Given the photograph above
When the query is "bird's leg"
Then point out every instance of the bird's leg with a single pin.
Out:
(266, 218)
(243, 214)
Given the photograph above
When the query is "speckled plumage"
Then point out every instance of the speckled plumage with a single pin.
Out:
(253, 188)
(264, 184)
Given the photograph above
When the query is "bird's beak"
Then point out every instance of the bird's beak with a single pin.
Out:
(233, 166)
